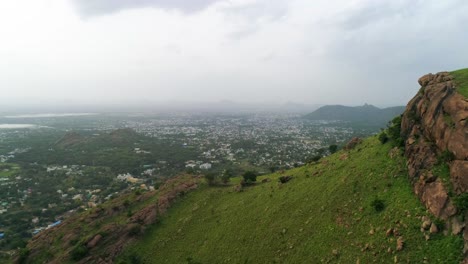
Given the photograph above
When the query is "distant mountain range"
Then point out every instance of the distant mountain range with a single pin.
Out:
(366, 114)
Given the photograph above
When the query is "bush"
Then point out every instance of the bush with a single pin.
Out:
(226, 176)
(461, 202)
(285, 179)
(383, 138)
(394, 132)
(314, 158)
(134, 230)
(210, 179)
(439, 223)
(23, 255)
(378, 205)
(250, 176)
(79, 252)
(445, 157)
(332, 148)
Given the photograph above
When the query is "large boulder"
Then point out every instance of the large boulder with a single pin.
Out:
(353, 143)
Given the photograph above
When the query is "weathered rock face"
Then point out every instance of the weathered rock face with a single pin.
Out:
(435, 124)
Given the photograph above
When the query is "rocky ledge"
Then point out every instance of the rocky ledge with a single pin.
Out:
(436, 131)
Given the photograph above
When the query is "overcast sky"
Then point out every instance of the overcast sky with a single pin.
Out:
(312, 52)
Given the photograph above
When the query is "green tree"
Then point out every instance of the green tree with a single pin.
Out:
(210, 178)
(226, 176)
(333, 148)
(250, 176)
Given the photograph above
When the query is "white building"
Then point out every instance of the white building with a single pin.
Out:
(205, 166)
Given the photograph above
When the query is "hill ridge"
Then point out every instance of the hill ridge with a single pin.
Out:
(365, 114)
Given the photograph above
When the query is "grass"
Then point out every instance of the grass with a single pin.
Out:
(8, 169)
(461, 81)
(449, 120)
(324, 214)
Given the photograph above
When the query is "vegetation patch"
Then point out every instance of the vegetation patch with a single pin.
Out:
(449, 120)
(461, 81)
(461, 202)
(378, 205)
(322, 216)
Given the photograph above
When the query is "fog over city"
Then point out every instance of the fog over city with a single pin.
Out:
(77, 55)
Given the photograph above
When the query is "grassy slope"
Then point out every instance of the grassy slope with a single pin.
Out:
(325, 207)
(461, 79)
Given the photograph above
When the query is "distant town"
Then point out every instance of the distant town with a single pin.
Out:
(57, 165)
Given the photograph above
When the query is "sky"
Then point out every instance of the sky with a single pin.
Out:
(351, 52)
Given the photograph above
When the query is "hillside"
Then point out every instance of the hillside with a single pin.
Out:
(365, 115)
(325, 213)
(397, 197)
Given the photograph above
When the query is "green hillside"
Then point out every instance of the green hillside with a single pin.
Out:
(328, 213)
(461, 79)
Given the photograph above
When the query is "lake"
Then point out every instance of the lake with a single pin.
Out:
(16, 126)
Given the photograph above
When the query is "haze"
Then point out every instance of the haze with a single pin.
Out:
(103, 52)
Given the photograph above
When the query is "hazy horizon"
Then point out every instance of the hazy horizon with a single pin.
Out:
(169, 107)
(71, 54)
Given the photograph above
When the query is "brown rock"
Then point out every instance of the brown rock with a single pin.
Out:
(426, 224)
(400, 244)
(266, 180)
(436, 199)
(344, 156)
(389, 232)
(457, 226)
(433, 229)
(93, 242)
(423, 81)
(353, 143)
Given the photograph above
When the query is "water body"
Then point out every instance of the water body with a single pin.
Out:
(16, 126)
(50, 115)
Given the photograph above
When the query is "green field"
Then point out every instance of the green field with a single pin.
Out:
(461, 80)
(8, 169)
(325, 214)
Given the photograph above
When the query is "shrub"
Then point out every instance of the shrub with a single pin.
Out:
(461, 202)
(383, 138)
(378, 205)
(250, 176)
(285, 179)
(394, 132)
(23, 255)
(210, 178)
(439, 223)
(79, 252)
(445, 156)
(314, 158)
(333, 148)
(226, 176)
(134, 230)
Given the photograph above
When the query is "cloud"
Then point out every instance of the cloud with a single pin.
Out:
(88, 8)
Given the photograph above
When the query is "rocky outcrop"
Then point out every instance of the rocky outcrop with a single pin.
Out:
(98, 231)
(353, 143)
(436, 131)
